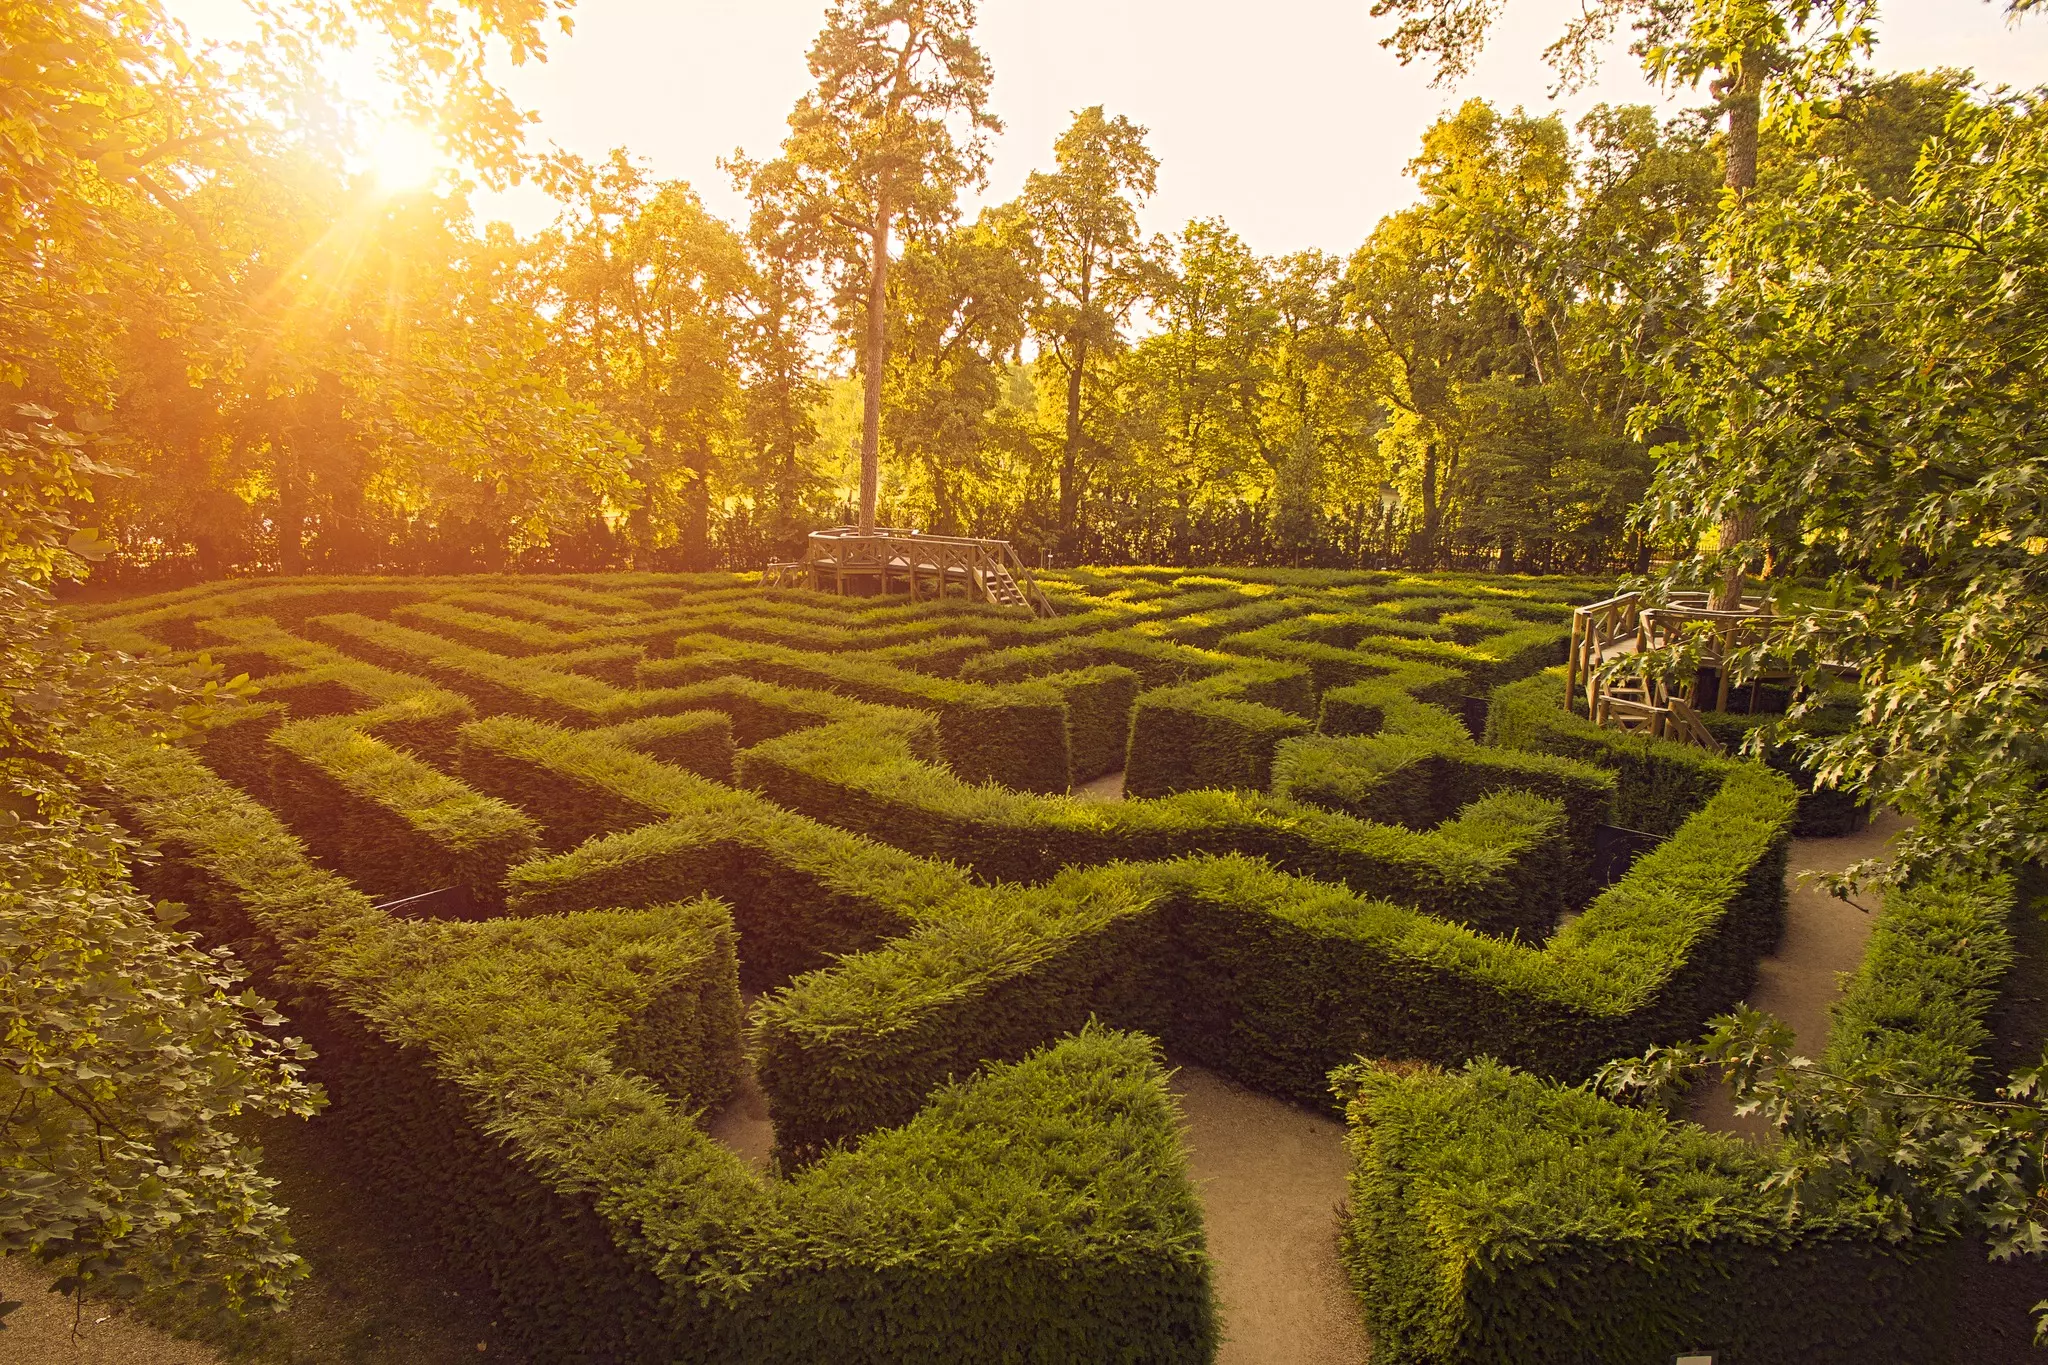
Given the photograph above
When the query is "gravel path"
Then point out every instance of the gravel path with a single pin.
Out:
(1271, 1177)
(40, 1332)
(1824, 941)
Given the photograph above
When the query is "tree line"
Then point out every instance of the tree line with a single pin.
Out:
(298, 368)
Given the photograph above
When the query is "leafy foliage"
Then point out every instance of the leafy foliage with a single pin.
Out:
(127, 1050)
(124, 1047)
(308, 369)
(1878, 421)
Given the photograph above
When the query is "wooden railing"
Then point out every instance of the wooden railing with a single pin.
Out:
(1601, 631)
(887, 560)
(1621, 627)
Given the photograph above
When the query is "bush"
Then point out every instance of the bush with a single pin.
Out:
(1496, 1217)
(1661, 780)
(1003, 1198)
(1493, 863)
(1016, 735)
(528, 1083)
(1276, 980)
(1185, 738)
(1420, 781)
(1824, 812)
(390, 823)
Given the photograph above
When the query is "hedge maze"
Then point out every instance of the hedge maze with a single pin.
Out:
(544, 867)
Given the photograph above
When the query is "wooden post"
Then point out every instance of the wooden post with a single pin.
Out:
(1571, 663)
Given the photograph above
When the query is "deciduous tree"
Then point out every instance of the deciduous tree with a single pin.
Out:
(896, 127)
(1084, 214)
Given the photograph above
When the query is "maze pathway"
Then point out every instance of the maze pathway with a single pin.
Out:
(755, 975)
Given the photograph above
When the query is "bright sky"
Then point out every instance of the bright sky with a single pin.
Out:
(1295, 128)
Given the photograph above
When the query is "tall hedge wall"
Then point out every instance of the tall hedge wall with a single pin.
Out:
(1038, 1211)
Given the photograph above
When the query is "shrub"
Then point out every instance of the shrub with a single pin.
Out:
(1421, 780)
(1016, 735)
(528, 1084)
(1493, 863)
(390, 823)
(1276, 980)
(1185, 738)
(1497, 1217)
(1660, 780)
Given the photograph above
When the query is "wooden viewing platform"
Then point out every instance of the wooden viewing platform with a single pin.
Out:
(1622, 627)
(876, 563)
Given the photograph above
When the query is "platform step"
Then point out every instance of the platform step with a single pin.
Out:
(1003, 589)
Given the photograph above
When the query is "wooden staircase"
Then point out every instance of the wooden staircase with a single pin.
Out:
(882, 562)
(1634, 700)
(1002, 589)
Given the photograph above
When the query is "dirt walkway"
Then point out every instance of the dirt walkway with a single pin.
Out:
(742, 1123)
(1271, 1177)
(1109, 788)
(1824, 940)
(40, 1331)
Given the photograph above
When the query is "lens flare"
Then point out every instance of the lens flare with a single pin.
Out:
(404, 157)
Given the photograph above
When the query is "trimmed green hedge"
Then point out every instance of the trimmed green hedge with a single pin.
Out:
(1422, 780)
(315, 680)
(695, 741)
(1494, 862)
(759, 710)
(1044, 734)
(1187, 738)
(1039, 1209)
(393, 825)
(1299, 976)
(1016, 735)
(1924, 991)
(1275, 979)
(1495, 1216)
(801, 892)
(1824, 812)
(1661, 781)
(528, 1084)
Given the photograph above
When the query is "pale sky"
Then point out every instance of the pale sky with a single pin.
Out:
(1287, 119)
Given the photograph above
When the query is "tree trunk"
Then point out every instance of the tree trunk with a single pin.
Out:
(1425, 549)
(785, 501)
(1070, 454)
(697, 514)
(876, 359)
(1742, 92)
(291, 503)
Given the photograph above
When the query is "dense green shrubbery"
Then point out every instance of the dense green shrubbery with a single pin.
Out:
(1498, 1216)
(1015, 734)
(1495, 1217)
(1824, 812)
(1494, 861)
(395, 826)
(1422, 780)
(888, 973)
(1276, 979)
(1660, 781)
(610, 1224)
(1187, 738)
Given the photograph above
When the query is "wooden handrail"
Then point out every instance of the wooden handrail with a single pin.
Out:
(990, 569)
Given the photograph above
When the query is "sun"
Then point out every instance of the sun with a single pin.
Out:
(404, 157)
